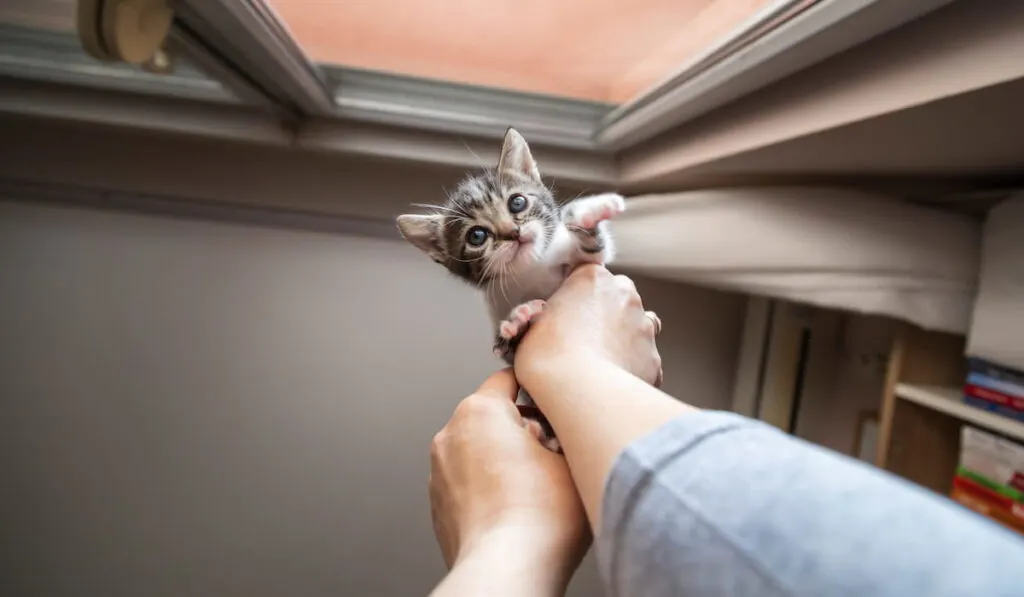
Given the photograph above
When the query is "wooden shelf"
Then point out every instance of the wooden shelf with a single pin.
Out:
(948, 400)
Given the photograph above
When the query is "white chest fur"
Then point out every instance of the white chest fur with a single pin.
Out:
(538, 280)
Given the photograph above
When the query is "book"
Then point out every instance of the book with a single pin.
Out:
(989, 477)
(992, 461)
(994, 388)
(996, 377)
(995, 371)
(1012, 492)
(994, 396)
(1005, 411)
(979, 501)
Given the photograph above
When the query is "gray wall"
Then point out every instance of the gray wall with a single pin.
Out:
(198, 408)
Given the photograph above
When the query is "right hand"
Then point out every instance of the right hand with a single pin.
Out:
(594, 314)
(490, 478)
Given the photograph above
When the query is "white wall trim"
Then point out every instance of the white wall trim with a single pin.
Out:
(192, 209)
(753, 356)
(140, 112)
(781, 375)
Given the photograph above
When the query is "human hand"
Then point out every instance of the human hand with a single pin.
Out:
(598, 314)
(494, 487)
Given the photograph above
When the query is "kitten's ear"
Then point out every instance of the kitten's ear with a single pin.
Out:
(424, 232)
(516, 156)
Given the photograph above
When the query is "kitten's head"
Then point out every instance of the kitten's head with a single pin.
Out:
(498, 223)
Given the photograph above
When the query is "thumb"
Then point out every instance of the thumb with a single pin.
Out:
(501, 385)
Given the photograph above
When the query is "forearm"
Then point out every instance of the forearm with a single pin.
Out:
(596, 410)
(718, 504)
(507, 563)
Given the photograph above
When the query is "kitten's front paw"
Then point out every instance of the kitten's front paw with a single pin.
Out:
(513, 328)
(588, 212)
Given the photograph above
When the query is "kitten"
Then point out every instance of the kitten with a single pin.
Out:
(503, 232)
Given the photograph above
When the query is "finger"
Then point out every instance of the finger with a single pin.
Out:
(625, 283)
(655, 320)
(501, 385)
(589, 271)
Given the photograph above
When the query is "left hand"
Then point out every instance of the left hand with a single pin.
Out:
(492, 483)
(597, 315)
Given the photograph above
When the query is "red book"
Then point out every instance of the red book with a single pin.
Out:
(983, 493)
(988, 395)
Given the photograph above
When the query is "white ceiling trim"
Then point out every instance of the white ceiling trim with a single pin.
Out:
(715, 78)
(249, 38)
(243, 44)
(769, 46)
(252, 125)
(40, 55)
(912, 67)
(577, 166)
(419, 103)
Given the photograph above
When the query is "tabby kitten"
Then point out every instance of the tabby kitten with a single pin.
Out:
(503, 232)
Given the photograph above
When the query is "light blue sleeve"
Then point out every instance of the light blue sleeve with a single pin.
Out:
(715, 504)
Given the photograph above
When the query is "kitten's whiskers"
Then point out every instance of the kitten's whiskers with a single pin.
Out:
(473, 153)
(440, 209)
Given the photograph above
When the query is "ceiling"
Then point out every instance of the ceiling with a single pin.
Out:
(583, 49)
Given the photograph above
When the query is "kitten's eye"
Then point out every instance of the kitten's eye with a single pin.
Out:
(476, 236)
(516, 203)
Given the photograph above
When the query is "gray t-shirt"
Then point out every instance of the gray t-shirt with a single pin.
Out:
(715, 504)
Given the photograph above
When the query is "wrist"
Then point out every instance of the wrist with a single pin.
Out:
(550, 368)
(536, 560)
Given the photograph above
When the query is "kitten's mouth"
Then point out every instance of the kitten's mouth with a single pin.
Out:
(523, 251)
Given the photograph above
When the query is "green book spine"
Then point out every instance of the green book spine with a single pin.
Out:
(1014, 494)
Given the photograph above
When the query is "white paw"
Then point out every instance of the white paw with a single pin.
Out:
(591, 211)
(519, 319)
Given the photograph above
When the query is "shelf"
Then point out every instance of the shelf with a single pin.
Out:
(948, 401)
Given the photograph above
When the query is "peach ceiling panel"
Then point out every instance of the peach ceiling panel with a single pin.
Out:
(601, 50)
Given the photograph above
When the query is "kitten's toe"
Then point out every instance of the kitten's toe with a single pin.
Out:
(603, 207)
(508, 330)
(615, 205)
(527, 311)
(519, 319)
(513, 328)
